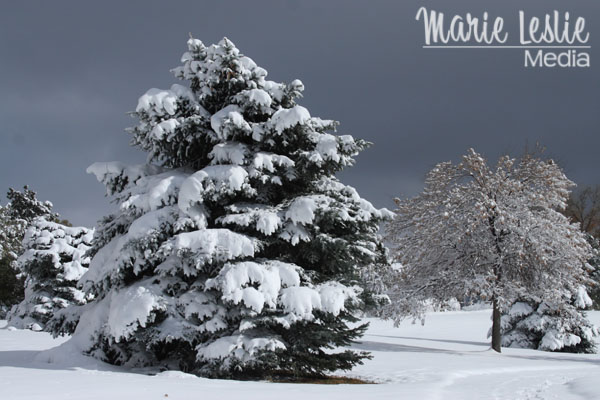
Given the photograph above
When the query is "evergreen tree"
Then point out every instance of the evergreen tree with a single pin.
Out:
(550, 326)
(22, 208)
(53, 261)
(11, 285)
(236, 252)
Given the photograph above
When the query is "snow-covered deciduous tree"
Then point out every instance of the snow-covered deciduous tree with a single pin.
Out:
(493, 232)
(53, 261)
(235, 250)
(550, 326)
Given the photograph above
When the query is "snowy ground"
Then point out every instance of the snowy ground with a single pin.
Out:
(448, 358)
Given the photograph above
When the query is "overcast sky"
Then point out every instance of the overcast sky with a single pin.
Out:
(71, 70)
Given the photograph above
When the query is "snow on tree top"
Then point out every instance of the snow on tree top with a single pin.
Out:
(194, 68)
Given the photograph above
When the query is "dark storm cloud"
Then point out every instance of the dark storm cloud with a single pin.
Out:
(69, 72)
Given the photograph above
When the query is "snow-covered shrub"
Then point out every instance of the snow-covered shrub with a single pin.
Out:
(235, 250)
(550, 326)
(53, 261)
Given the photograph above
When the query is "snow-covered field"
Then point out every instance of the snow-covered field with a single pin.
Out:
(448, 358)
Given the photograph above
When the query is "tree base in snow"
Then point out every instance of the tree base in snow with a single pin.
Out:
(319, 380)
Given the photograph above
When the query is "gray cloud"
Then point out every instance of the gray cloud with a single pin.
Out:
(70, 71)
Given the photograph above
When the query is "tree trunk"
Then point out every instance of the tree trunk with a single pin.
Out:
(496, 332)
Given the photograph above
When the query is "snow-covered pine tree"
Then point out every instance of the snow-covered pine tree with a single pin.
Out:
(25, 206)
(550, 326)
(11, 285)
(488, 232)
(235, 251)
(21, 209)
(52, 262)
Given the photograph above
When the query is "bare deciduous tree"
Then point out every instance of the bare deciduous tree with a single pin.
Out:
(584, 207)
